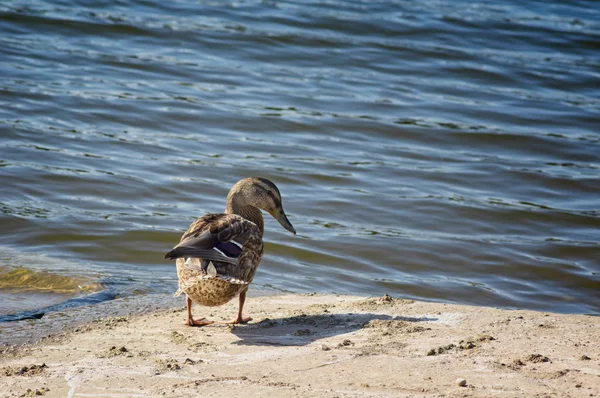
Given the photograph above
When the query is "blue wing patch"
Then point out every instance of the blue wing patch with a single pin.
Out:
(229, 249)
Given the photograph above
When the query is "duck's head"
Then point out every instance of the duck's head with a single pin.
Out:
(258, 193)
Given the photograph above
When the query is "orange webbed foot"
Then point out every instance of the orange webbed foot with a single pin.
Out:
(198, 322)
(238, 321)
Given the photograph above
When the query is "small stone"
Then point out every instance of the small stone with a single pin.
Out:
(461, 382)
(585, 358)
(485, 337)
(466, 345)
(536, 358)
(325, 348)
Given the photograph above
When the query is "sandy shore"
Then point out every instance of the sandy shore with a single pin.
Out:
(317, 346)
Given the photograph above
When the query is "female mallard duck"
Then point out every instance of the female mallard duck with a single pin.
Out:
(218, 255)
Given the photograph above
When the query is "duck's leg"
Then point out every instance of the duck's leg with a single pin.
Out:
(189, 320)
(240, 318)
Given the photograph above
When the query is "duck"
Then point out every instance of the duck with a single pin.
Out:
(217, 257)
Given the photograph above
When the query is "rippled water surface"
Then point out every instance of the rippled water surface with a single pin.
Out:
(439, 150)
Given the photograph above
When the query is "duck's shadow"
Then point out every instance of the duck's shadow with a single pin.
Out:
(301, 330)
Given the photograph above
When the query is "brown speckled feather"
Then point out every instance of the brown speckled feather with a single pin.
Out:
(211, 290)
(225, 226)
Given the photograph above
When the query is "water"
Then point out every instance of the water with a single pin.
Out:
(438, 150)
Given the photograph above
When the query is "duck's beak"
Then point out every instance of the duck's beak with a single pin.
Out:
(280, 216)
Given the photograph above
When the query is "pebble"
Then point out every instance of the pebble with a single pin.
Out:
(461, 382)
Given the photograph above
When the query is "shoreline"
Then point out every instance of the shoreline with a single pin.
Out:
(309, 345)
(29, 330)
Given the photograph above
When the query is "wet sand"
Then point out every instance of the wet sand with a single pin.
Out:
(316, 346)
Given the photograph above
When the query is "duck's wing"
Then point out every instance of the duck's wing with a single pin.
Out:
(215, 237)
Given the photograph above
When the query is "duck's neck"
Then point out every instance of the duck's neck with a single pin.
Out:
(249, 212)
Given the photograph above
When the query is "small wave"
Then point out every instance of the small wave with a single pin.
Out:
(89, 299)
(26, 279)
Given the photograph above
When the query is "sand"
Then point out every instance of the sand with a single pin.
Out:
(316, 346)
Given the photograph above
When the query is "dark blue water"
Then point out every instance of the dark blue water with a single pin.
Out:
(439, 150)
